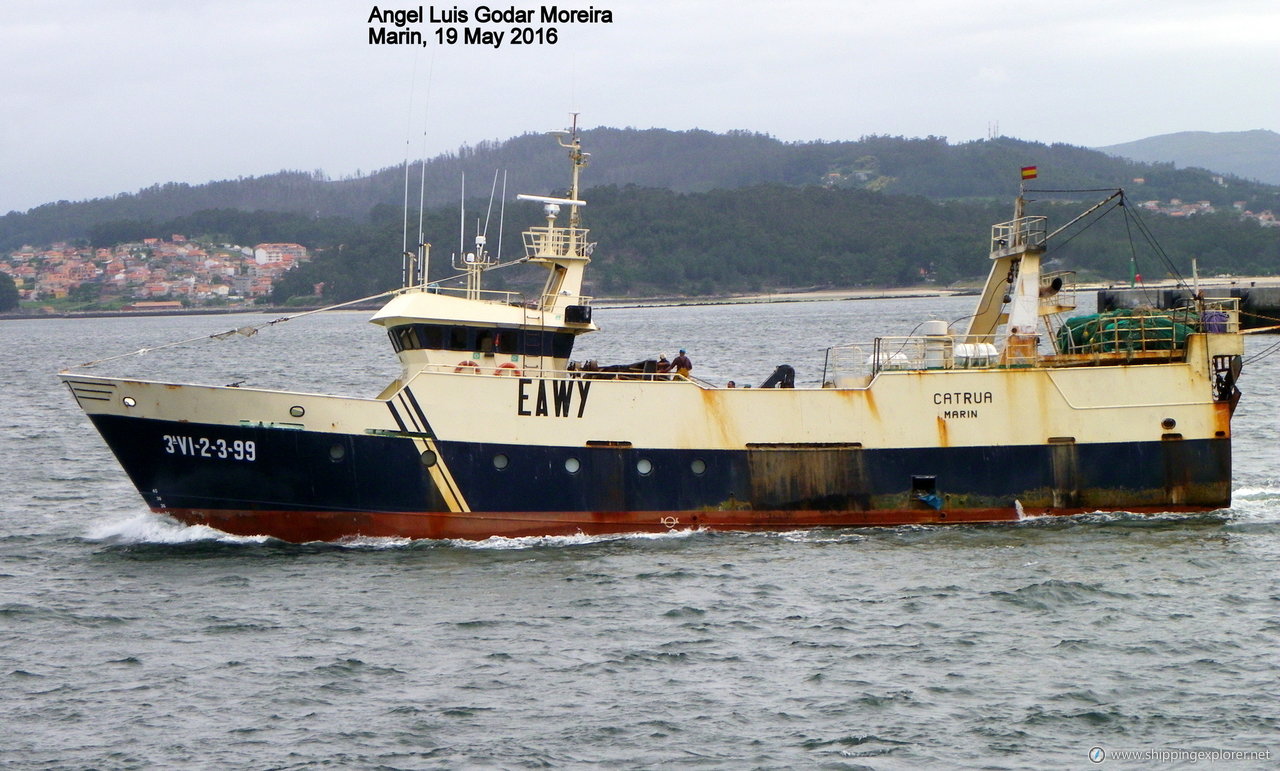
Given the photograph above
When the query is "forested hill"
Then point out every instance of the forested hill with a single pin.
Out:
(681, 161)
(653, 241)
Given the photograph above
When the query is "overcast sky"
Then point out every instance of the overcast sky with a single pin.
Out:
(107, 96)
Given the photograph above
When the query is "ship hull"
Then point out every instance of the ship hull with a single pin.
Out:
(305, 485)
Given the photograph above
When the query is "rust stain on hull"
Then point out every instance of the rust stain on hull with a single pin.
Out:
(872, 410)
(1222, 419)
(804, 478)
(308, 526)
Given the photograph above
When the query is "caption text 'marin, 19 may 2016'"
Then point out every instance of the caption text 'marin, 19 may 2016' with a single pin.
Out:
(480, 25)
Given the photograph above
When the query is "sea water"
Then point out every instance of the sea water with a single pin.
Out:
(129, 641)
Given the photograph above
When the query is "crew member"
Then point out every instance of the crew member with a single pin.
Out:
(681, 364)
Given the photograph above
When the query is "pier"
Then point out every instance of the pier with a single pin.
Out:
(1259, 302)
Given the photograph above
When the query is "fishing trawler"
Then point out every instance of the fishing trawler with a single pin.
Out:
(1016, 412)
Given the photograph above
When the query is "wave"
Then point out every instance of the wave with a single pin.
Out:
(154, 529)
(538, 541)
(1251, 505)
(1254, 493)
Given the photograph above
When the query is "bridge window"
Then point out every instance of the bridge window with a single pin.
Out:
(457, 337)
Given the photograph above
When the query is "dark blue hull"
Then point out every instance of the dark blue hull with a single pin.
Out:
(301, 485)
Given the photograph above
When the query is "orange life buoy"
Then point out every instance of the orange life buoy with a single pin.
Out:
(508, 369)
(470, 366)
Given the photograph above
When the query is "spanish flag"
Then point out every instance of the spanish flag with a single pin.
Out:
(1028, 172)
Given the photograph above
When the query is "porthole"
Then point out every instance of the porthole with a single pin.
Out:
(500, 461)
(572, 465)
(337, 452)
(698, 466)
(1168, 424)
(297, 411)
(129, 401)
(644, 466)
(428, 458)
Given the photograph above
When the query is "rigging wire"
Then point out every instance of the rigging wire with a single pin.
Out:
(1058, 245)
(245, 331)
(1101, 214)
(1132, 219)
(1077, 190)
(1264, 353)
(253, 329)
(1155, 246)
(1133, 258)
(1131, 216)
(1094, 219)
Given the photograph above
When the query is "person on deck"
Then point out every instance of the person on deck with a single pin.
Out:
(681, 364)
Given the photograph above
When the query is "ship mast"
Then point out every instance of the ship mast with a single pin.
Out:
(1024, 310)
(1014, 282)
(579, 159)
(564, 251)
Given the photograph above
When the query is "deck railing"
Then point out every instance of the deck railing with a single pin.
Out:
(1147, 335)
(492, 295)
(555, 242)
(1058, 291)
(1147, 330)
(1019, 233)
(501, 367)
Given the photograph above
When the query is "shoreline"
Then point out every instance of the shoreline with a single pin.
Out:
(268, 310)
(599, 302)
(816, 295)
(606, 303)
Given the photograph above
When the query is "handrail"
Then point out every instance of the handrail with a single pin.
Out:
(1151, 335)
(555, 242)
(495, 295)
(1019, 234)
(506, 369)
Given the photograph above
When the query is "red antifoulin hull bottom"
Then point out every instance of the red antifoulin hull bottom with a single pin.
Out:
(307, 526)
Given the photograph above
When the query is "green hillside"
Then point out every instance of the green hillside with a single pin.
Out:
(654, 241)
(682, 161)
(700, 213)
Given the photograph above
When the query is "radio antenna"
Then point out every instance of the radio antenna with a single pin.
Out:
(502, 213)
(493, 189)
(462, 217)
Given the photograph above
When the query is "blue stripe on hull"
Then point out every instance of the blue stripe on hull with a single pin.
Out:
(1092, 476)
(290, 470)
(296, 470)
